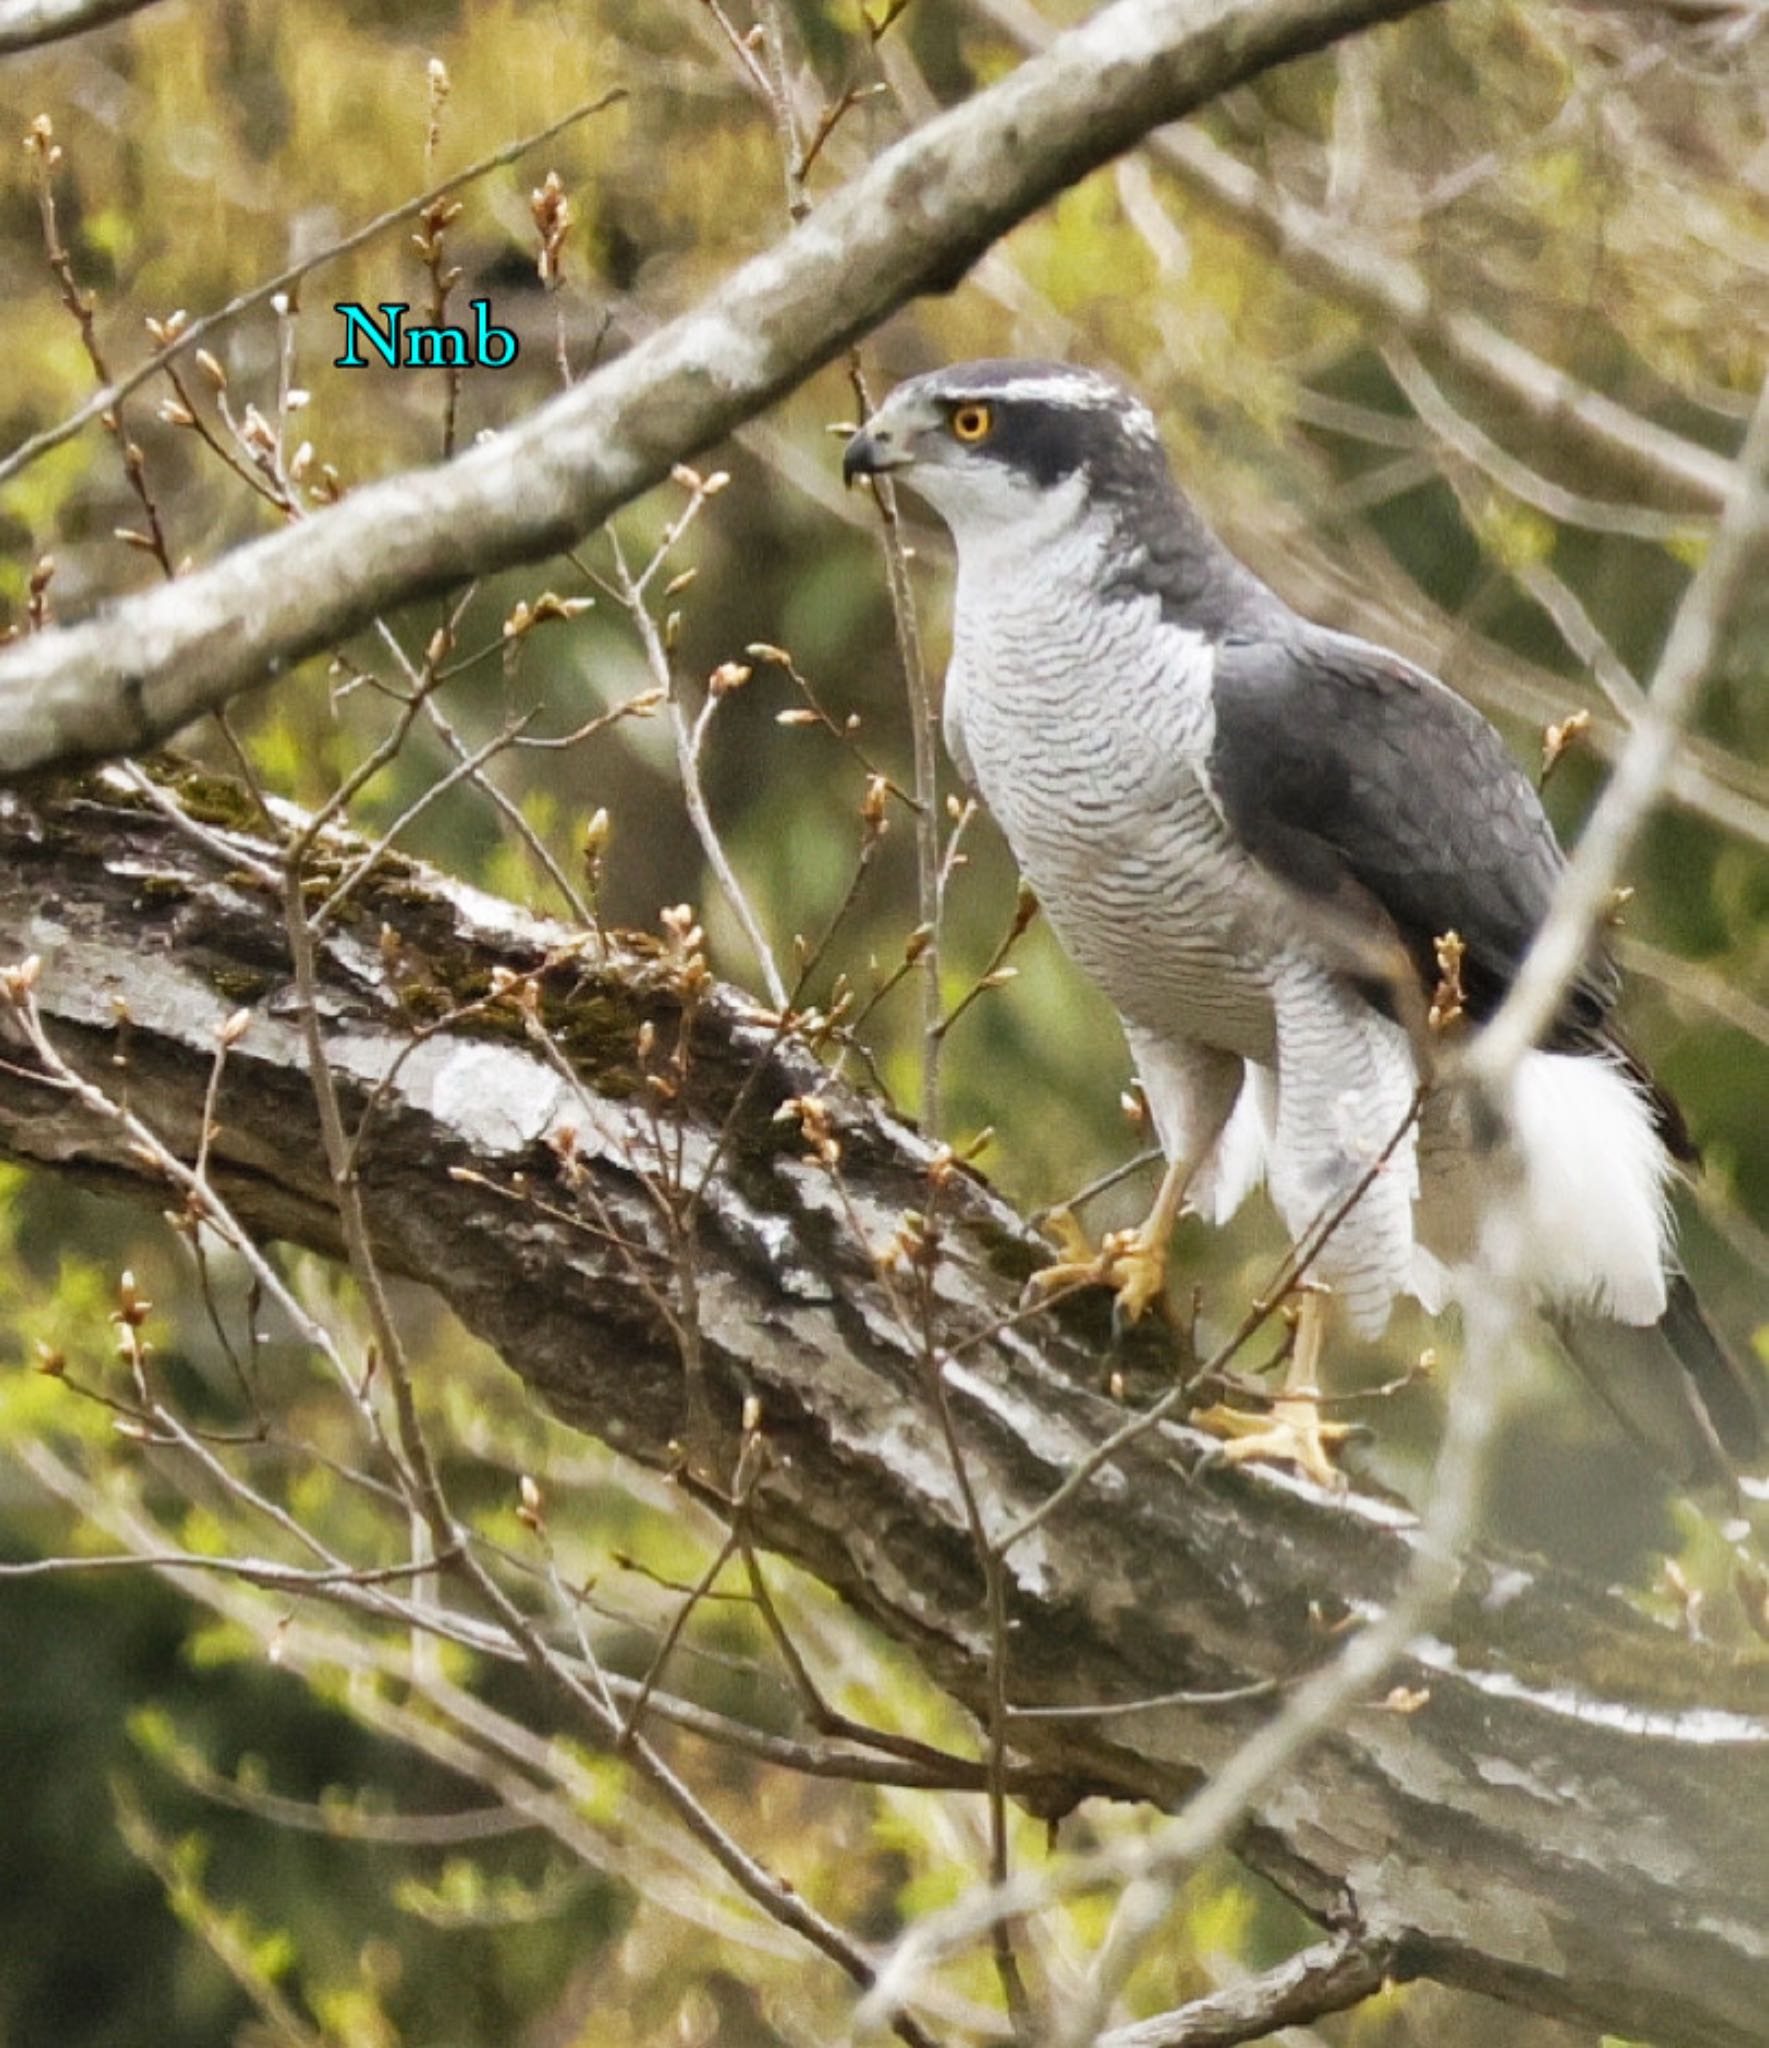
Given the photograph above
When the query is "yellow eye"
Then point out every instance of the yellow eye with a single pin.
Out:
(971, 423)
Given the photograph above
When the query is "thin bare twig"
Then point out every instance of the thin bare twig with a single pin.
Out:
(197, 330)
(46, 155)
(688, 738)
(991, 1563)
(924, 720)
(1585, 891)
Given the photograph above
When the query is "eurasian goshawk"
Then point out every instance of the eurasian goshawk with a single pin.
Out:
(1257, 835)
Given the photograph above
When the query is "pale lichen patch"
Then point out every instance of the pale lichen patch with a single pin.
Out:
(498, 1100)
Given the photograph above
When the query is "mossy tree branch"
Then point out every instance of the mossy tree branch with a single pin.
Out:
(1571, 1822)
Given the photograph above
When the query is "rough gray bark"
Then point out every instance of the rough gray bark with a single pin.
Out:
(1572, 1822)
(914, 222)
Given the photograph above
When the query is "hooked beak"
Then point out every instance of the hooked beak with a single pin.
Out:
(872, 452)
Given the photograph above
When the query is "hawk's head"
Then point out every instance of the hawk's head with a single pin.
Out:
(987, 443)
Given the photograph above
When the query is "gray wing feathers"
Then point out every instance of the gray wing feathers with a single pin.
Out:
(1356, 777)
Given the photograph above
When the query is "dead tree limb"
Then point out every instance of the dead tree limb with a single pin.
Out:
(1573, 1821)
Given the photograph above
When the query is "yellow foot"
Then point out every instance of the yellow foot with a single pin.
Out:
(1134, 1262)
(1292, 1434)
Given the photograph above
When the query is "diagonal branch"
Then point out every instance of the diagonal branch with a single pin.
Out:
(27, 24)
(913, 223)
(1330, 1977)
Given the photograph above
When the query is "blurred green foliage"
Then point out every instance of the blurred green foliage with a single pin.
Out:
(1572, 177)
